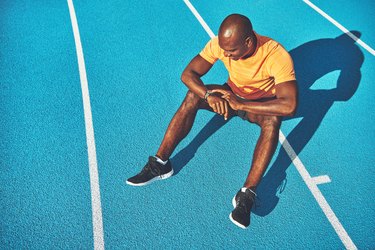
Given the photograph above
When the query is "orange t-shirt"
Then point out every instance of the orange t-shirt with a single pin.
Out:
(254, 77)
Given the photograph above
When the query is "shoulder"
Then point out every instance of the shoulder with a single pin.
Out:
(272, 51)
(268, 45)
(212, 51)
(214, 43)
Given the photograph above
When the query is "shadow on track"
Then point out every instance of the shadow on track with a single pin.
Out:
(312, 61)
(186, 154)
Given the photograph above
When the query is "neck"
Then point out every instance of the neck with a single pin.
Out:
(253, 47)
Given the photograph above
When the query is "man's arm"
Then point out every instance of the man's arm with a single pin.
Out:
(285, 103)
(191, 77)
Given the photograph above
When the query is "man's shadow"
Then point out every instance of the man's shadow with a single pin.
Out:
(312, 61)
(182, 158)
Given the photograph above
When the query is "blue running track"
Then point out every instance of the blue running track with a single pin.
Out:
(317, 193)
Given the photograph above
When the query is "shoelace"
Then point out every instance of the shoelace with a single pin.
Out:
(153, 168)
(247, 204)
(282, 186)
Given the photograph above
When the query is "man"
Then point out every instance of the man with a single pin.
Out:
(261, 89)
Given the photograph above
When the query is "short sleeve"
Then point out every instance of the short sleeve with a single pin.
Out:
(281, 66)
(211, 51)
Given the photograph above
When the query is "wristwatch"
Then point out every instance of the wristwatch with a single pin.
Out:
(208, 93)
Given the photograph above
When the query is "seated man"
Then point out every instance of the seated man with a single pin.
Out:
(261, 89)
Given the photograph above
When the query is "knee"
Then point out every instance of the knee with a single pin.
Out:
(191, 101)
(270, 123)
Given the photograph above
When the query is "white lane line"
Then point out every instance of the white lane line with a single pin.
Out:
(321, 179)
(332, 218)
(343, 235)
(199, 18)
(97, 218)
(342, 28)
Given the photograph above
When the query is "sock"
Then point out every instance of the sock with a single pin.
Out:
(160, 160)
(244, 189)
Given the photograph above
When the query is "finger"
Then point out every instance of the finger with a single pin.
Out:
(225, 110)
(225, 96)
(219, 91)
(222, 107)
(218, 108)
(213, 106)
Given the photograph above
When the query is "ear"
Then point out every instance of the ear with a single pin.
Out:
(248, 41)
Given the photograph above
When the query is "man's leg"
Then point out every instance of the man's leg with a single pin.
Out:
(265, 147)
(264, 150)
(180, 125)
(182, 122)
(159, 167)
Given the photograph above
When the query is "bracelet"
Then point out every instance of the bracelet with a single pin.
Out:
(208, 93)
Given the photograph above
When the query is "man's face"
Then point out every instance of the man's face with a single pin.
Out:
(236, 48)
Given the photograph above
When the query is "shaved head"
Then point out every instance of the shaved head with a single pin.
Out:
(236, 37)
(236, 26)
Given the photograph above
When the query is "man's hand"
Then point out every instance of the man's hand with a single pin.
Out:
(230, 97)
(219, 105)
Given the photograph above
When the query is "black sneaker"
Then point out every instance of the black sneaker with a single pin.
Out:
(242, 203)
(151, 172)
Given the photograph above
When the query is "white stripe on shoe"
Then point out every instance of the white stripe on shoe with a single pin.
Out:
(156, 178)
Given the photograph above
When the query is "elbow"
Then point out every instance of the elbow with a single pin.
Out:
(291, 109)
(290, 113)
(183, 77)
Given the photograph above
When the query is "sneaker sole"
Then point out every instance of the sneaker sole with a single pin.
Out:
(234, 202)
(231, 218)
(156, 178)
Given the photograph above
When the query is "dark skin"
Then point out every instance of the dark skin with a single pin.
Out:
(238, 43)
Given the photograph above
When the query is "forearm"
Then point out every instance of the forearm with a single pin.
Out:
(194, 83)
(276, 107)
(191, 76)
